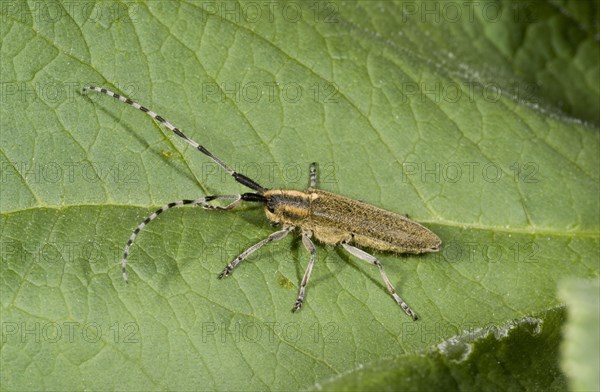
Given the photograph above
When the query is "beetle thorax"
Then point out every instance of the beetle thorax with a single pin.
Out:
(287, 206)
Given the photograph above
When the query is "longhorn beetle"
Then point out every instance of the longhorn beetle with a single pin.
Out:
(330, 218)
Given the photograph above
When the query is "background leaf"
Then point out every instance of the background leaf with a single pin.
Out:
(514, 356)
(481, 125)
(580, 359)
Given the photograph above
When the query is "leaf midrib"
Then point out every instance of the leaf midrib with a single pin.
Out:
(538, 232)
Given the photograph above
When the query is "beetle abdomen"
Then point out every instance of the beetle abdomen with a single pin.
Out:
(335, 217)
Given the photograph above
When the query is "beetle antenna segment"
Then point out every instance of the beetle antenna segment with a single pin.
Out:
(202, 201)
(242, 179)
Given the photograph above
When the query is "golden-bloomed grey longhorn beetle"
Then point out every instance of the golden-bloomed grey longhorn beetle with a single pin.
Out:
(330, 218)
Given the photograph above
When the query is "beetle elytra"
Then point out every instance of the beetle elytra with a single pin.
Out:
(330, 218)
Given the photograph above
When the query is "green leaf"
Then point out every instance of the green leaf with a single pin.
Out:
(515, 356)
(484, 128)
(580, 357)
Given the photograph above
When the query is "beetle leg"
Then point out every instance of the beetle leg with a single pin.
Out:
(308, 244)
(273, 237)
(313, 175)
(361, 254)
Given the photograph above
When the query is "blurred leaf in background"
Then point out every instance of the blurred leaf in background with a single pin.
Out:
(580, 354)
